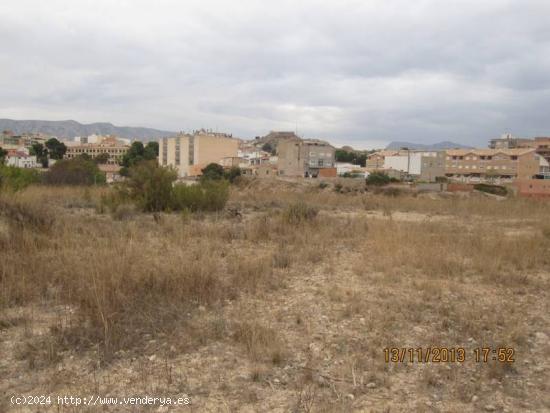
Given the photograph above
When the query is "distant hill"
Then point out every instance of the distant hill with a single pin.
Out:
(71, 128)
(429, 147)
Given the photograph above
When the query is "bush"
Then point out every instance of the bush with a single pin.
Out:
(205, 196)
(491, 189)
(76, 171)
(233, 174)
(15, 179)
(378, 179)
(212, 172)
(149, 185)
(299, 212)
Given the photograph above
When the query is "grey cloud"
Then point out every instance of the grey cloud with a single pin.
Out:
(354, 72)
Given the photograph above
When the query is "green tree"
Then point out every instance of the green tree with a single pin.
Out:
(56, 149)
(212, 171)
(41, 153)
(355, 157)
(343, 156)
(149, 185)
(138, 153)
(76, 171)
(233, 174)
(3, 154)
(102, 158)
(151, 150)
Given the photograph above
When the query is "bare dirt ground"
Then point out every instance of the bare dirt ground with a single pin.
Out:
(304, 310)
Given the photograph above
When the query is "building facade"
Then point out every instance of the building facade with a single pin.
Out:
(305, 157)
(110, 146)
(491, 164)
(189, 153)
(376, 160)
(421, 165)
(21, 159)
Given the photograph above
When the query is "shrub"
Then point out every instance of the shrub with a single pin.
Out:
(17, 178)
(213, 172)
(299, 212)
(76, 171)
(149, 185)
(491, 189)
(204, 196)
(378, 179)
(233, 174)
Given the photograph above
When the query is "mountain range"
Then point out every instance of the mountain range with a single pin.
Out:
(70, 128)
(429, 147)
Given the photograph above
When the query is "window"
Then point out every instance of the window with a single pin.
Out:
(178, 151)
(191, 150)
(514, 157)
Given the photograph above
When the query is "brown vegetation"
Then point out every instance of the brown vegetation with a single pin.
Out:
(287, 304)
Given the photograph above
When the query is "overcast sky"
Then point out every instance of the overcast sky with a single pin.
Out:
(361, 73)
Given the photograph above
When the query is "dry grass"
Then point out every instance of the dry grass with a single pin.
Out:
(304, 286)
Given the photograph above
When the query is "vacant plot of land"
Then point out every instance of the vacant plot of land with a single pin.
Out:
(283, 302)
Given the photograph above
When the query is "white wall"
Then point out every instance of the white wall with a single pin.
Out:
(22, 161)
(399, 163)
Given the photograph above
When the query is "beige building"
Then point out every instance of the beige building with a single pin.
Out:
(189, 153)
(376, 160)
(110, 146)
(305, 157)
(491, 164)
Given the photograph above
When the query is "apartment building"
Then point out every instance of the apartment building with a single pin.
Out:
(509, 141)
(491, 164)
(421, 165)
(189, 153)
(542, 146)
(21, 158)
(306, 157)
(8, 140)
(109, 145)
(376, 160)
